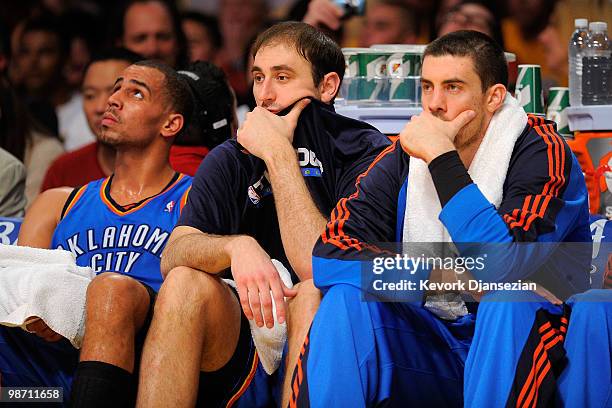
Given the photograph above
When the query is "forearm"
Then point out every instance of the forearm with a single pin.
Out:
(300, 221)
(205, 252)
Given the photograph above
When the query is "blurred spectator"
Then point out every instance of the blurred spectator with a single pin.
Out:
(81, 31)
(5, 49)
(528, 33)
(152, 29)
(323, 14)
(21, 136)
(12, 184)
(203, 36)
(39, 60)
(471, 15)
(95, 160)
(213, 120)
(240, 21)
(389, 22)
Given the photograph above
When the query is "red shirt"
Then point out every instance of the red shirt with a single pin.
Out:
(74, 169)
(187, 159)
(79, 167)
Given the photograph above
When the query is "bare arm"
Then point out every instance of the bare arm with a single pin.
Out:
(191, 247)
(252, 269)
(299, 219)
(37, 231)
(269, 137)
(42, 217)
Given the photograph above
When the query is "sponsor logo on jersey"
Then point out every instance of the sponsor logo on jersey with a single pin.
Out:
(309, 164)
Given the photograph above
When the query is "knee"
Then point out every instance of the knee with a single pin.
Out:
(595, 305)
(308, 298)
(187, 290)
(116, 296)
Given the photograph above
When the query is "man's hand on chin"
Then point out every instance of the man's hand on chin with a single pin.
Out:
(427, 137)
(263, 133)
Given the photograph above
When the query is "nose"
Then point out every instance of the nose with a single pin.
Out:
(266, 93)
(114, 100)
(436, 102)
(150, 48)
(101, 103)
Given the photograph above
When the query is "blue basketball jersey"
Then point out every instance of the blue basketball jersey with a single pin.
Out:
(110, 238)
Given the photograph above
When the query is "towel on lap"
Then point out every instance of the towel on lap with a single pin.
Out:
(270, 342)
(44, 283)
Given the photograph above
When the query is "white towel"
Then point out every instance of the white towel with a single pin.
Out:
(488, 170)
(270, 342)
(44, 283)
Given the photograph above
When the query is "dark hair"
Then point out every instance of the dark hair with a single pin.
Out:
(50, 25)
(117, 29)
(14, 131)
(211, 24)
(322, 52)
(117, 54)
(177, 93)
(214, 113)
(487, 56)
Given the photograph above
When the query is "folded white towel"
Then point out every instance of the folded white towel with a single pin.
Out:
(43, 283)
(488, 170)
(270, 342)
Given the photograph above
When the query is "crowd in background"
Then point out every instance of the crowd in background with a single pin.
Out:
(46, 46)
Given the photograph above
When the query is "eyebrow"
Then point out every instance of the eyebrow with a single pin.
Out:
(134, 81)
(274, 68)
(446, 81)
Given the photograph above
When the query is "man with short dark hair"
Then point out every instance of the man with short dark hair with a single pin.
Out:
(254, 199)
(118, 225)
(523, 186)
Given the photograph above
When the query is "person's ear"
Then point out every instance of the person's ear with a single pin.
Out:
(173, 124)
(328, 88)
(495, 97)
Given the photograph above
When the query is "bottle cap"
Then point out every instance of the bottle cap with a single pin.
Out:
(598, 26)
(581, 23)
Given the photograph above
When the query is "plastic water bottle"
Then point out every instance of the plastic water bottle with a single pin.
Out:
(577, 45)
(596, 86)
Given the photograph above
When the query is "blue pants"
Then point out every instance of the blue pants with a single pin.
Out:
(587, 379)
(366, 353)
(502, 333)
(27, 360)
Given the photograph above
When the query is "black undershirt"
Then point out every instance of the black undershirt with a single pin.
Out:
(449, 175)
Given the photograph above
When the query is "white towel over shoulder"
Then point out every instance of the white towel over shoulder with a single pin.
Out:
(44, 283)
(488, 171)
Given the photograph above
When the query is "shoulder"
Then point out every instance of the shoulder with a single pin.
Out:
(228, 157)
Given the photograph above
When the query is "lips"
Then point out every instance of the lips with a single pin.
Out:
(108, 119)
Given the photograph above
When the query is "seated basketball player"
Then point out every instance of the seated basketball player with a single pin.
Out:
(117, 225)
(251, 202)
(523, 186)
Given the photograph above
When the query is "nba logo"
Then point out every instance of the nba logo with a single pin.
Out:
(169, 207)
(253, 196)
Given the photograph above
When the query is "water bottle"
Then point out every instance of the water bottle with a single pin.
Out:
(577, 45)
(596, 86)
